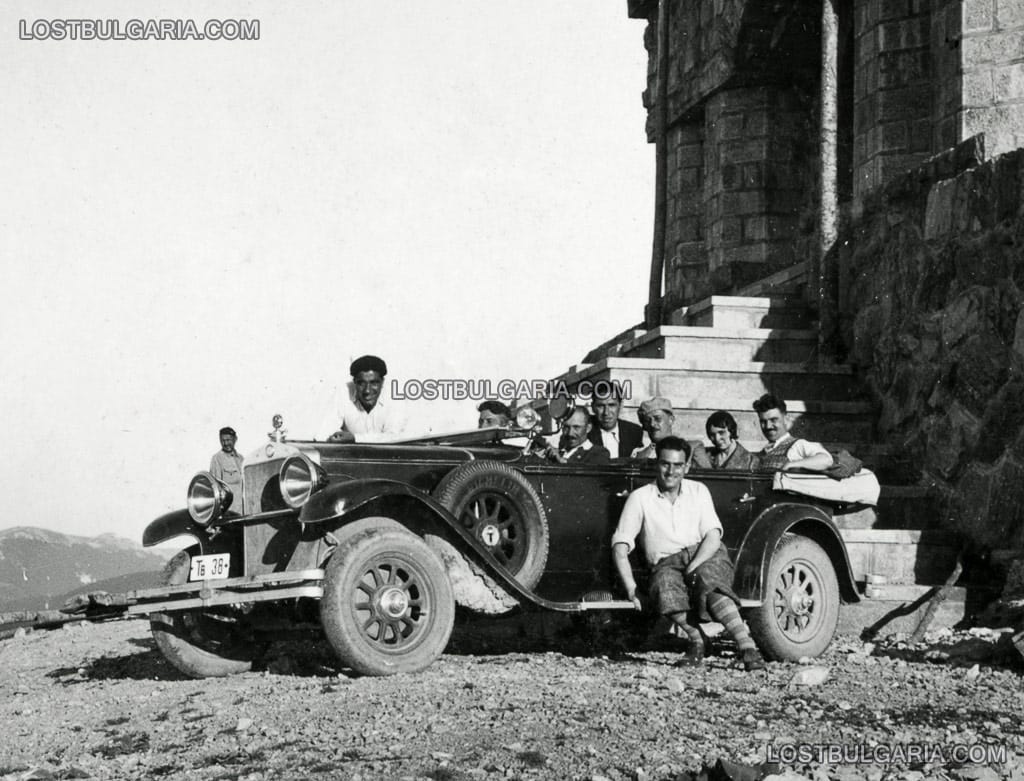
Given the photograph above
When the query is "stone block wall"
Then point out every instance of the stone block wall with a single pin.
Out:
(992, 60)
(686, 263)
(758, 163)
(935, 325)
(892, 89)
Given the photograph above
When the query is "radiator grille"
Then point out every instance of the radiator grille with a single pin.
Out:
(262, 490)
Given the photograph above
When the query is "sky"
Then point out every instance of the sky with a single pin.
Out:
(204, 233)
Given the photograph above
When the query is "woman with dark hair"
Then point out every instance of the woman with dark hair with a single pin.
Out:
(726, 452)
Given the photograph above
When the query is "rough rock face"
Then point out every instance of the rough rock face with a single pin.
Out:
(936, 327)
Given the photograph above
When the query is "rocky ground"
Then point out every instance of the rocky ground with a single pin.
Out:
(98, 701)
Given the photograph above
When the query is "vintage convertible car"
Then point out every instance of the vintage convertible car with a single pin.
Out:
(376, 544)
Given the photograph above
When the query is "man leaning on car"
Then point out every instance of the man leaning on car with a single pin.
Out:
(682, 539)
(363, 415)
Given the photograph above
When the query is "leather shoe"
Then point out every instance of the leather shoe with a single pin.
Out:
(752, 660)
(694, 656)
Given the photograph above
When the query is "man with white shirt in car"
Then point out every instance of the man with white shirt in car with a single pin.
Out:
(573, 446)
(364, 416)
(783, 451)
(619, 437)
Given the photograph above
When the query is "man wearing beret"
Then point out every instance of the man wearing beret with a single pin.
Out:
(226, 464)
(365, 416)
(657, 418)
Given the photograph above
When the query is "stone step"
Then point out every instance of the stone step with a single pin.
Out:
(745, 312)
(730, 348)
(788, 282)
(906, 507)
(689, 383)
(901, 556)
(900, 612)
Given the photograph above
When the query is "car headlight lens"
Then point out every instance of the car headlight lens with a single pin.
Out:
(207, 498)
(300, 479)
(527, 418)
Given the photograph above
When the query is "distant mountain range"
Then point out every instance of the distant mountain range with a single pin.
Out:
(40, 568)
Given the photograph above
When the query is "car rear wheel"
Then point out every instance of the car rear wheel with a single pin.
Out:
(500, 508)
(800, 611)
(202, 643)
(387, 606)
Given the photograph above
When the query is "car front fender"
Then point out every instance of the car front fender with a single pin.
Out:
(170, 525)
(340, 499)
(756, 549)
(419, 512)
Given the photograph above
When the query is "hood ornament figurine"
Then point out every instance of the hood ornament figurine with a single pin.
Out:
(279, 433)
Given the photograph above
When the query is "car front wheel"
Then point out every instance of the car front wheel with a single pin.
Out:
(202, 643)
(800, 612)
(387, 605)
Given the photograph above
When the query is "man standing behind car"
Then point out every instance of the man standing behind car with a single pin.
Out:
(226, 464)
(682, 540)
(619, 437)
(364, 415)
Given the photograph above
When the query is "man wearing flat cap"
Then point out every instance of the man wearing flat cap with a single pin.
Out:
(226, 464)
(364, 416)
(657, 418)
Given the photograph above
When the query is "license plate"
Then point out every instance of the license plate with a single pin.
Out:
(212, 567)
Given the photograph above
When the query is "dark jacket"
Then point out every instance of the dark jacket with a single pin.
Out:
(631, 436)
(595, 455)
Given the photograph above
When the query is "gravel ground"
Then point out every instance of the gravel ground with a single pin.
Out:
(98, 701)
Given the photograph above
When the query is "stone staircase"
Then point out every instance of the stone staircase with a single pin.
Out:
(724, 352)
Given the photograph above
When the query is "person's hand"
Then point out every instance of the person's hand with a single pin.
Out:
(344, 437)
(631, 594)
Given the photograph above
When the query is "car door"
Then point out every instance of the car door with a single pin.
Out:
(582, 503)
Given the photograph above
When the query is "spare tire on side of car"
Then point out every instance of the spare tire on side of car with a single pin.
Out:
(495, 503)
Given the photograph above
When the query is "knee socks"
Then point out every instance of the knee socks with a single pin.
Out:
(692, 633)
(725, 612)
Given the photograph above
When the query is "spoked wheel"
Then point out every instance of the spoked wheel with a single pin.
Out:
(498, 524)
(501, 509)
(387, 606)
(203, 643)
(801, 607)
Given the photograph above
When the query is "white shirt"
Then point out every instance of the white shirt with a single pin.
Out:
(801, 449)
(667, 527)
(586, 445)
(384, 423)
(610, 440)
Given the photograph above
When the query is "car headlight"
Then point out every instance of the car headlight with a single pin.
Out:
(527, 417)
(207, 498)
(300, 479)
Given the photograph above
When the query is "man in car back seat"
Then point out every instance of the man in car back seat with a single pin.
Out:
(682, 539)
(784, 452)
